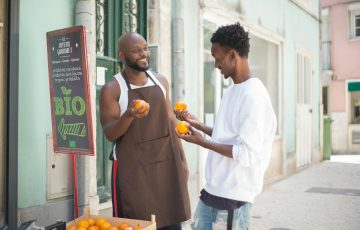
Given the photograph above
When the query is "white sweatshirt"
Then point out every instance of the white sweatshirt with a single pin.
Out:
(245, 120)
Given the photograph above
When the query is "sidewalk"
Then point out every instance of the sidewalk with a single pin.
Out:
(325, 196)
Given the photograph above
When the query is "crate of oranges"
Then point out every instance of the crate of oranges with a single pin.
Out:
(94, 222)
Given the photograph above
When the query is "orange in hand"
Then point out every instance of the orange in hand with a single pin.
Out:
(180, 106)
(182, 127)
(140, 103)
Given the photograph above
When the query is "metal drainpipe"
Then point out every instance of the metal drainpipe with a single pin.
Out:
(85, 15)
(178, 52)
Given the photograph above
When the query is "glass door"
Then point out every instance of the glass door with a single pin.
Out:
(214, 82)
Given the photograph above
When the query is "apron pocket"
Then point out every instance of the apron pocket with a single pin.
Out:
(154, 151)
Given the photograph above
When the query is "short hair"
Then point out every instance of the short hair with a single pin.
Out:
(234, 37)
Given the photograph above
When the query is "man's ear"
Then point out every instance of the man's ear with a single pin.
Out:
(121, 56)
(232, 54)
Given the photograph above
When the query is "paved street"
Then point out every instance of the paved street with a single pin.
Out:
(325, 196)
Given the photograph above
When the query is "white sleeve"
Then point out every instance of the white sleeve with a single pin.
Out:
(251, 130)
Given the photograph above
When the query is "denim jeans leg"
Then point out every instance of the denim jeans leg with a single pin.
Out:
(242, 217)
(203, 217)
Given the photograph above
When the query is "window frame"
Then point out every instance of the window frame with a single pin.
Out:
(354, 12)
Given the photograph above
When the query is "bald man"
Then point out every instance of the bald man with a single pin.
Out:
(149, 168)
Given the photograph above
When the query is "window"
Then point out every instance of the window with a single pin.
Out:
(354, 12)
(264, 64)
(355, 107)
(354, 90)
(326, 43)
(357, 25)
(303, 78)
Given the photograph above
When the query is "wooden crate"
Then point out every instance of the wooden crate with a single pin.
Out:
(145, 225)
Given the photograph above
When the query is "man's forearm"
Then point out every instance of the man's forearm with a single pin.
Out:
(205, 129)
(225, 150)
(118, 127)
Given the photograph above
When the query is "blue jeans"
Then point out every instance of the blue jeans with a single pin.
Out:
(207, 218)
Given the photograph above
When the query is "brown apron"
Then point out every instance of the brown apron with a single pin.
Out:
(151, 177)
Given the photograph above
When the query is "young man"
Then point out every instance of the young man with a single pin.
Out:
(150, 164)
(241, 140)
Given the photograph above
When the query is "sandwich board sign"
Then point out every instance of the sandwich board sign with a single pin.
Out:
(69, 91)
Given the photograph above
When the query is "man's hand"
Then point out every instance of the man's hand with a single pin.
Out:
(193, 136)
(185, 115)
(138, 113)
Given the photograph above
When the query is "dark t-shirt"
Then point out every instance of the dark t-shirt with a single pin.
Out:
(219, 202)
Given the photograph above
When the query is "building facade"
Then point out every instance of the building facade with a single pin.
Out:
(341, 72)
(284, 54)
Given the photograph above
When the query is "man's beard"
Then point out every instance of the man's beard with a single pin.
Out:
(135, 66)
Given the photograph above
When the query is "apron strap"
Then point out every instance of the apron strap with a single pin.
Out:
(230, 219)
(114, 177)
(126, 79)
(148, 74)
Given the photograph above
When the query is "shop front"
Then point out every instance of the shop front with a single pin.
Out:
(354, 115)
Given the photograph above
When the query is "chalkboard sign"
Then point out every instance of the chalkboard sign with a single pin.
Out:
(69, 91)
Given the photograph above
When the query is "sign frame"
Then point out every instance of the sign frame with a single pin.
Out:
(87, 126)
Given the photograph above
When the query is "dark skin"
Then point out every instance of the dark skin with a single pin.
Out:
(133, 50)
(232, 65)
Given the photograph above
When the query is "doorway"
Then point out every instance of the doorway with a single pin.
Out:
(303, 109)
(113, 18)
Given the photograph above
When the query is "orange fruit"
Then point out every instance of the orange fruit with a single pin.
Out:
(83, 223)
(140, 103)
(93, 228)
(91, 221)
(182, 127)
(112, 228)
(180, 106)
(105, 226)
(137, 227)
(81, 228)
(123, 225)
(100, 221)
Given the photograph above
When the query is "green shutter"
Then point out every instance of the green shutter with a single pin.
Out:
(354, 86)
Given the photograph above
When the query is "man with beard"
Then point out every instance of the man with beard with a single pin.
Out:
(149, 170)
